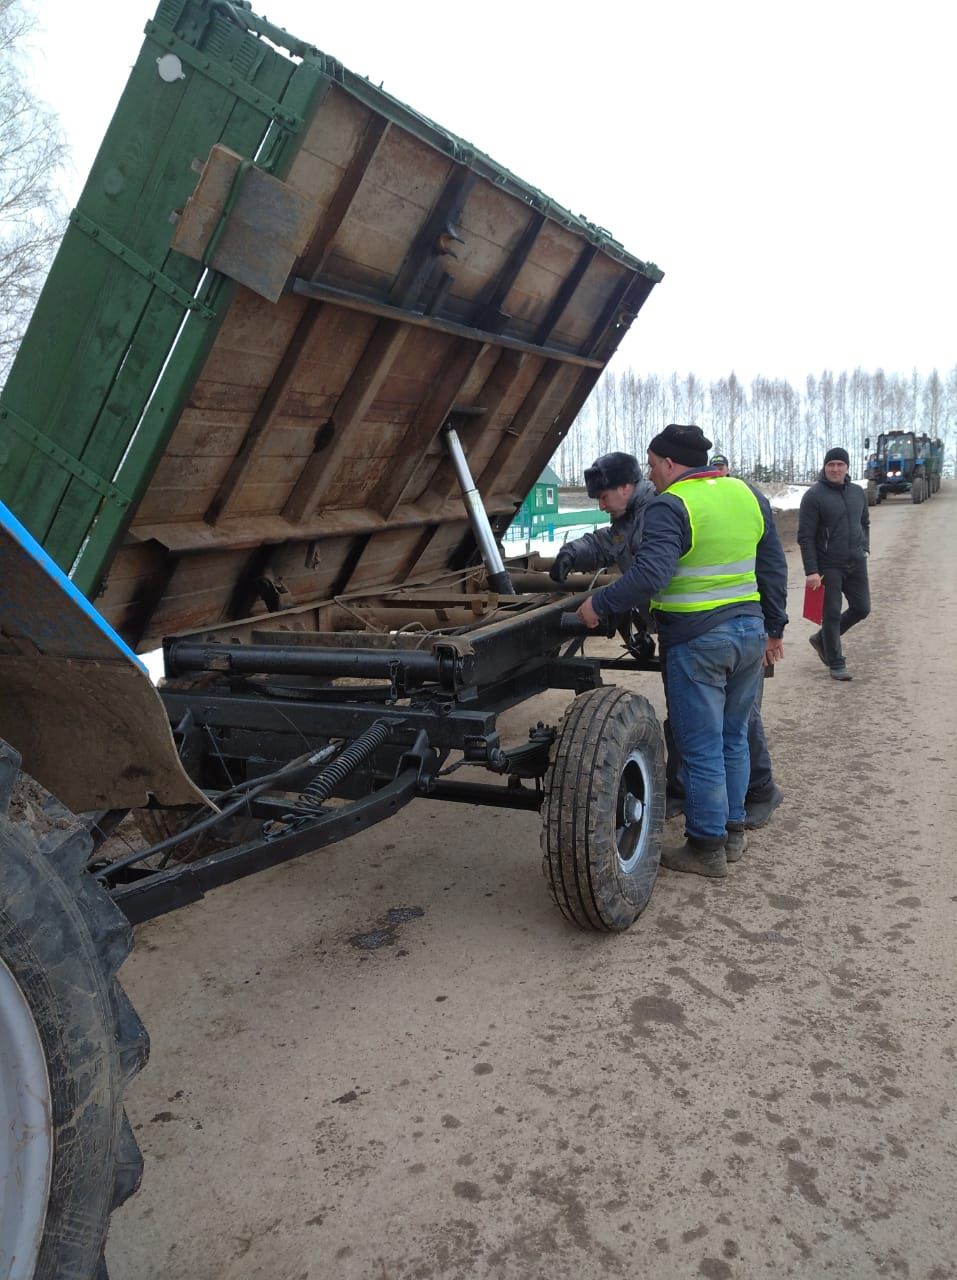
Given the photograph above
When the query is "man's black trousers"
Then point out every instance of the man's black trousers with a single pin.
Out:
(848, 580)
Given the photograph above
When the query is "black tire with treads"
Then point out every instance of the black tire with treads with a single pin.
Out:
(62, 941)
(604, 809)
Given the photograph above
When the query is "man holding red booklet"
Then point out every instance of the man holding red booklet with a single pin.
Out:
(834, 532)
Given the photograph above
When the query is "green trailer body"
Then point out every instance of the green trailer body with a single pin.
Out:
(257, 391)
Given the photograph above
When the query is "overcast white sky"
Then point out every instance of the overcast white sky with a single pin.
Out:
(790, 166)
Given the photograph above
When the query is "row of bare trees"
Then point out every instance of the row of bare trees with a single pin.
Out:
(32, 153)
(768, 429)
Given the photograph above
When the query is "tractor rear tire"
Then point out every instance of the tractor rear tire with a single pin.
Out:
(70, 1042)
(917, 491)
(605, 810)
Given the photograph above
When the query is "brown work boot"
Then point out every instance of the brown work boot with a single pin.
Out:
(691, 857)
(736, 842)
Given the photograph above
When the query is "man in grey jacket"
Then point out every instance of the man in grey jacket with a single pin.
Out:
(615, 481)
(834, 531)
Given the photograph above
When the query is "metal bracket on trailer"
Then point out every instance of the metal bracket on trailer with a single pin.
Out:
(228, 79)
(155, 895)
(74, 466)
(132, 259)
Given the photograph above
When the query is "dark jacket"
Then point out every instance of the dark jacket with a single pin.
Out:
(834, 526)
(618, 542)
(667, 537)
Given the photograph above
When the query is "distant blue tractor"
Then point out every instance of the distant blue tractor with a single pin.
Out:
(902, 462)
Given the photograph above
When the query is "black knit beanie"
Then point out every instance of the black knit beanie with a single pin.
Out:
(610, 472)
(686, 445)
(837, 455)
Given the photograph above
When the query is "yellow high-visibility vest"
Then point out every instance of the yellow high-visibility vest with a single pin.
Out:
(718, 569)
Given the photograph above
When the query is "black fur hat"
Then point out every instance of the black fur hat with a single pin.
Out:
(610, 472)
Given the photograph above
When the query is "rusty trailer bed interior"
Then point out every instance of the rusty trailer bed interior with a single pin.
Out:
(308, 460)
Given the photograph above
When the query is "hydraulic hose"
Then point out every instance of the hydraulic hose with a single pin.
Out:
(244, 793)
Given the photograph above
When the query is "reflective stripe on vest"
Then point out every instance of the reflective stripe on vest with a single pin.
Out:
(719, 567)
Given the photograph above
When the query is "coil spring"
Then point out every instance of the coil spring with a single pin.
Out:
(314, 796)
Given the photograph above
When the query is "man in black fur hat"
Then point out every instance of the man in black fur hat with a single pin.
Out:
(615, 480)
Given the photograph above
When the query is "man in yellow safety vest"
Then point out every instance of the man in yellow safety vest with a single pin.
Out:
(712, 564)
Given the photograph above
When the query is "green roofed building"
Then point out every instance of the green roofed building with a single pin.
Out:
(543, 499)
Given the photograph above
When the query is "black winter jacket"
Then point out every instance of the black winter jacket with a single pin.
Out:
(834, 526)
(667, 537)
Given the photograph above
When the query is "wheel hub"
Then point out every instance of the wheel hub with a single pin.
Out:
(633, 809)
(25, 1121)
(631, 826)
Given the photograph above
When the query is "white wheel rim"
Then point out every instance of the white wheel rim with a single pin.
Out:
(26, 1133)
(632, 837)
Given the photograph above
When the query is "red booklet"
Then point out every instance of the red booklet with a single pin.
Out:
(814, 604)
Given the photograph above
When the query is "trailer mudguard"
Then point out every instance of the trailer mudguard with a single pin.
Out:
(75, 701)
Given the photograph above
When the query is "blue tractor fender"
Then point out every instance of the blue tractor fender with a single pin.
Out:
(75, 700)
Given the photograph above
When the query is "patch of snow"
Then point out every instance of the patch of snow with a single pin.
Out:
(154, 664)
(786, 497)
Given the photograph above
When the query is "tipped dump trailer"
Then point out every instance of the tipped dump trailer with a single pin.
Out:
(300, 357)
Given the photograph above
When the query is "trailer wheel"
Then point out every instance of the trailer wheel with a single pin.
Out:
(605, 809)
(70, 1042)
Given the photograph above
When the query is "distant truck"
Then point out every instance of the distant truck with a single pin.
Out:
(293, 332)
(903, 462)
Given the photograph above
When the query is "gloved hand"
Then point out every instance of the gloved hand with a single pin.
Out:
(562, 565)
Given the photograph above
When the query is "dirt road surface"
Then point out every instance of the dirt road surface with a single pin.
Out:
(757, 1080)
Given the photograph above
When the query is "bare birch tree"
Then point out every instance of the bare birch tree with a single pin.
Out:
(693, 399)
(32, 152)
(949, 432)
(933, 406)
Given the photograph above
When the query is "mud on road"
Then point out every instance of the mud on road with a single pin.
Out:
(396, 1060)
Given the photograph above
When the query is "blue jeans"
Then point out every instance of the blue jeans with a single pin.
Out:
(712, 683)
(761, 781)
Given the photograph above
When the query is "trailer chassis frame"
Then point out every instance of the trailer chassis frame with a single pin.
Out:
(244, 720)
